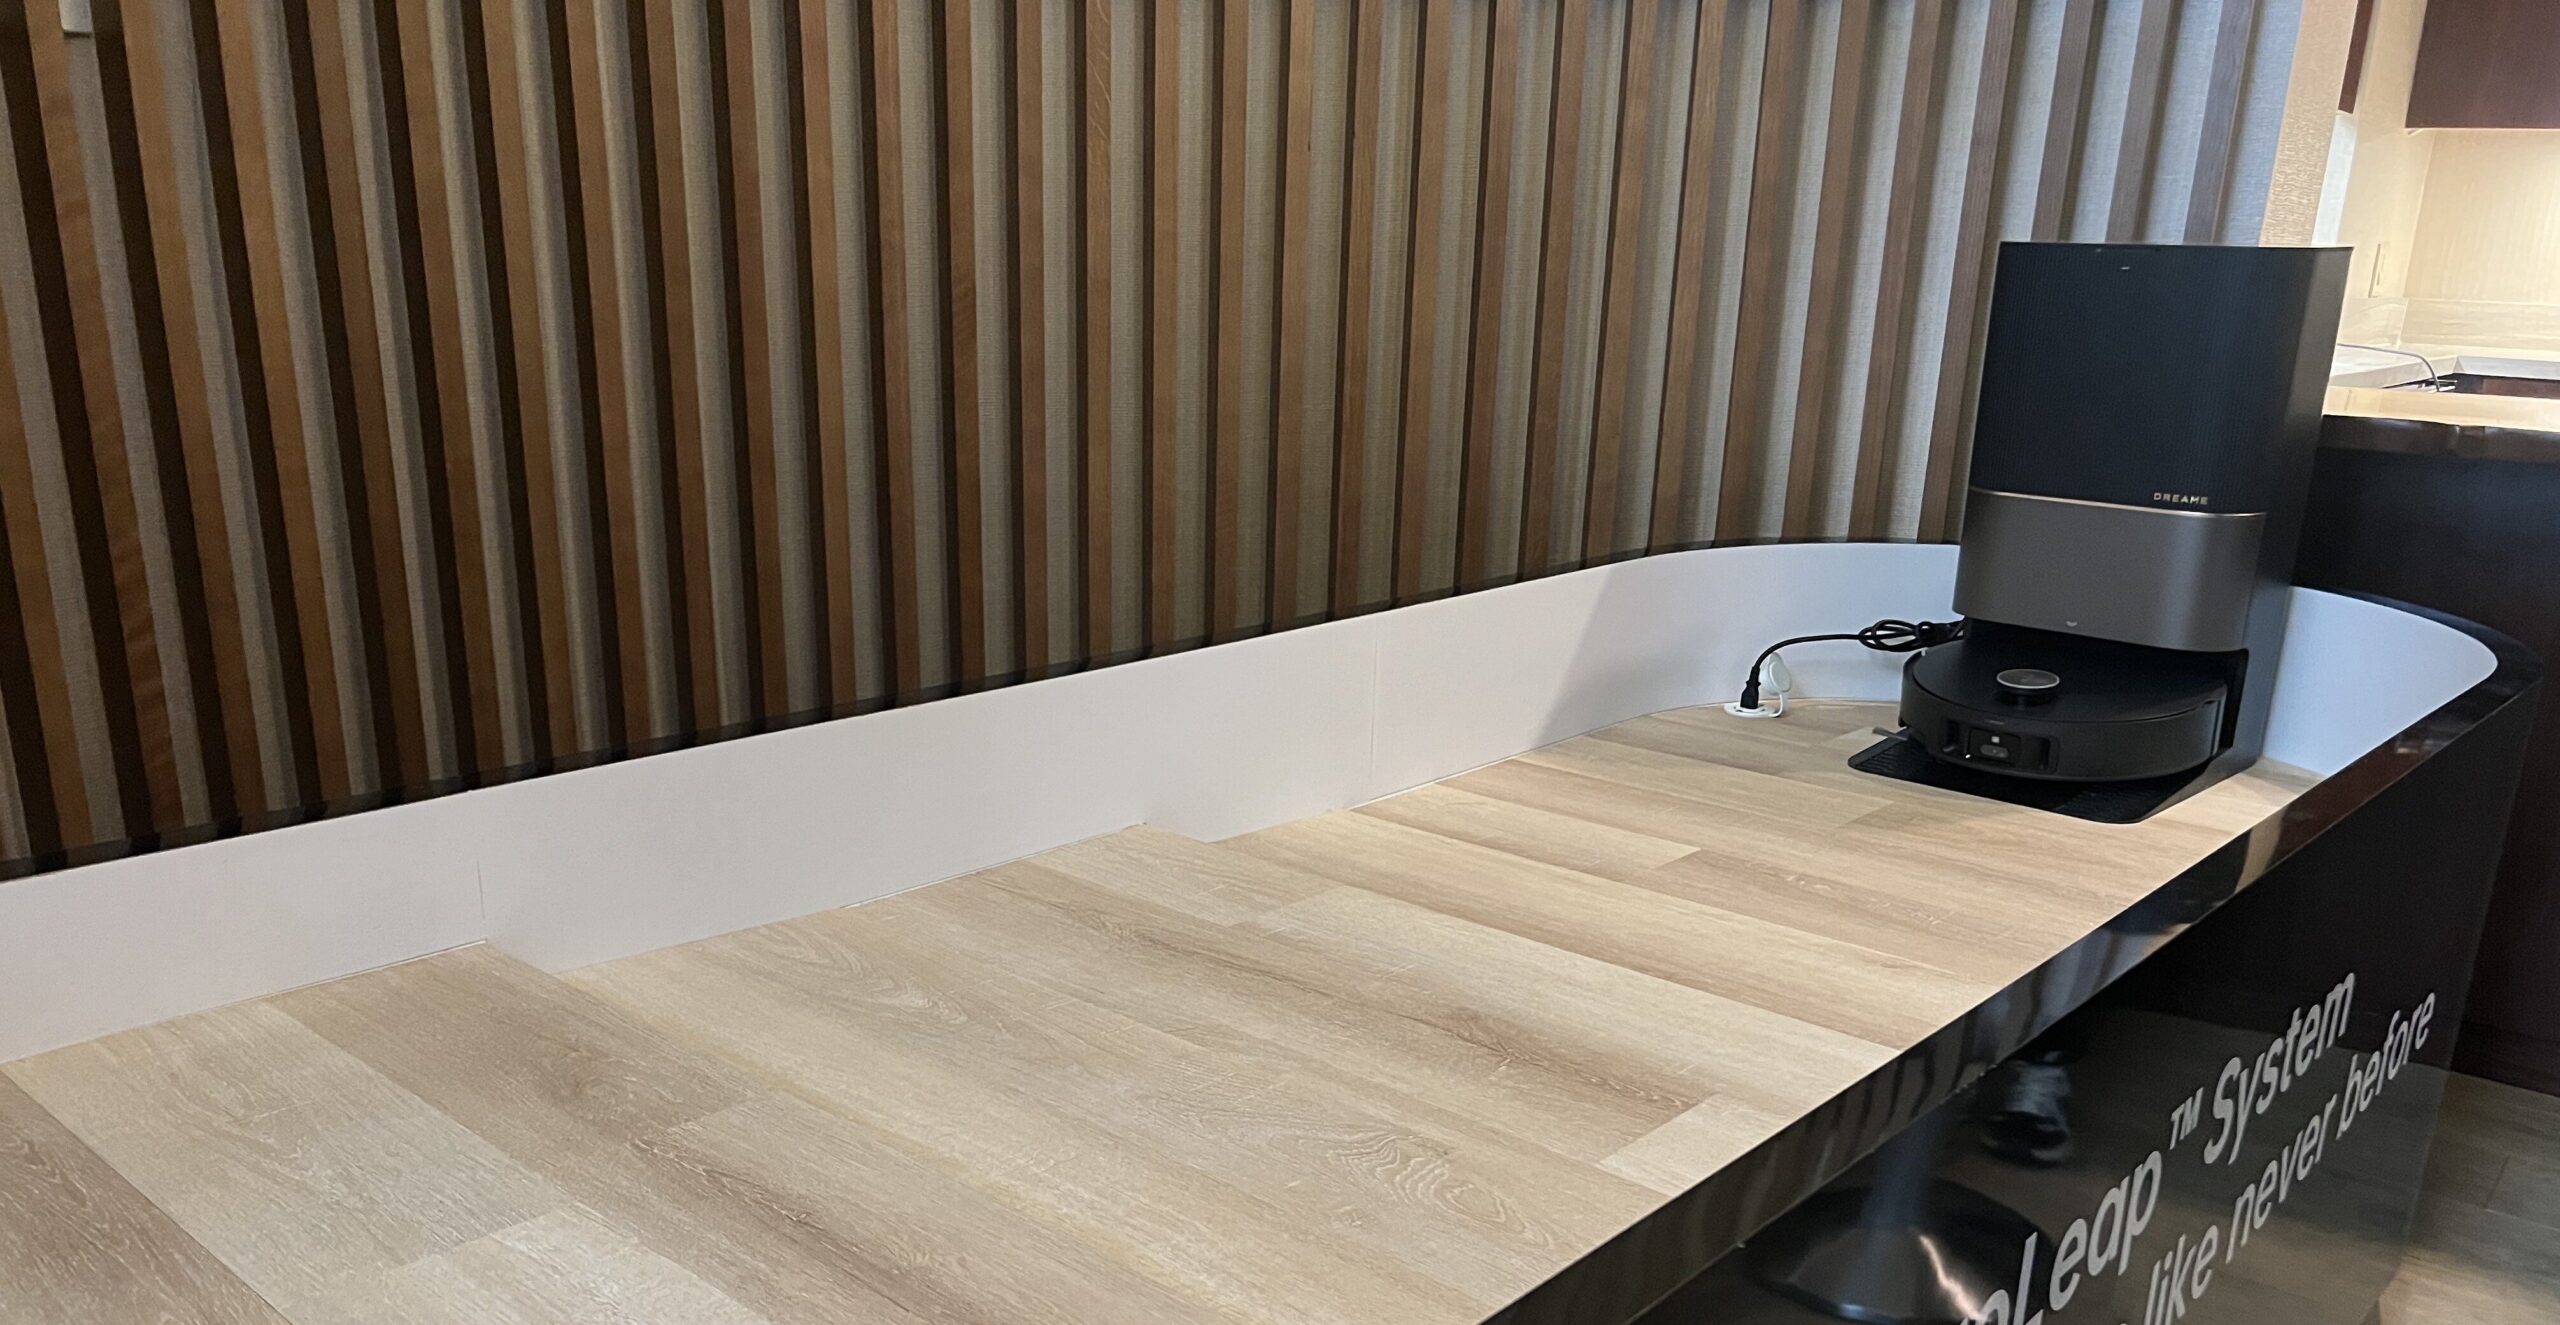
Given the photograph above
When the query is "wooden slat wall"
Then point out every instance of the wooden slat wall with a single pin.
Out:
(401, 395)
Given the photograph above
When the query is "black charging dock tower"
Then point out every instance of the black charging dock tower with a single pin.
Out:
(2142, 451)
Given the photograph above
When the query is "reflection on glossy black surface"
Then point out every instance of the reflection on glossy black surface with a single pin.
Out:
(2382, 870)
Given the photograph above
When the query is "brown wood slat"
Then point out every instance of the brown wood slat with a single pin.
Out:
(2058, 181)
(44, 734)
(1425, 319)
(1289, 407)
(1915, 146)
(368, 454)
(1618, 311)
(965, 466)
(1030, 339)
(71, 291)
(243, 224)
(135, 32)
(1359, 222)
(895, 322)
(754, 359)
(1970, 290)
(436, 336)
(504, 160)
(623, 579)
(1164, 322)
(415, 206)
(1838, 200)
(2214, 144)
(216, 705)
(1501, 118)
(678, 324)
(1555, 278)
(1226, 510)
(523, 447)
(2131, 193)
(823, 298)
(1746, 449)
(1691, 270)
(277, 442)
(1094, 185)
(603, 551)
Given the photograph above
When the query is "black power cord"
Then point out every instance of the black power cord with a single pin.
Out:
(1887, 636)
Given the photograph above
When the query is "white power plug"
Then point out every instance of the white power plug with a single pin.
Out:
(1775, 682)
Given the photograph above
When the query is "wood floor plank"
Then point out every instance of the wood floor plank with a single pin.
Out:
(1772, 970)
(305, 1171)
(790, 1004)
(564, 1268)
(1561, 840)
(78, 1243)
(1195, 878)
(2475, 1267)
(588, 1096)
(1212, 984)
(1545, 1004)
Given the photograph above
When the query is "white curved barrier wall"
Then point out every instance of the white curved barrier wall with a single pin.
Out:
(579, 867)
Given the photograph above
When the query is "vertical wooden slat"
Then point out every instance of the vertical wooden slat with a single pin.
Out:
(2146, 84)
(1746, 450)
(753, 358)
(1235, 38)
(1164, 323)
(252, 302)
(1501, 118)
(2059, 179)
(1674, 458)
(680, 403)
(1425, 319)
(71, 292)
(1617, 322)
(1830, 265)
(2214, 145)
(606, 548)
(581, 45)
(517, 457)
(896, 326)
(155, 110)
(504, 161)
(828, 432)
(409, 78)
(44, 734)
(217, 702)
(1030, 341)
(1970, 289)
(1899, 276)
(26, 706)
(1095, 183)
(965, 494)
(1359, 222)
(1555, 278)
(1297, 224)
(322, 51)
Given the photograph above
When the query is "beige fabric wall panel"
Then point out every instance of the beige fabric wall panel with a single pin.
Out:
(402, 395)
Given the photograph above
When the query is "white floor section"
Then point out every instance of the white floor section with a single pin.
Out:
(581, 867)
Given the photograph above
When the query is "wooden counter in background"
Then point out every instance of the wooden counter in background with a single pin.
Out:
(2443, 424)
(2453, 502)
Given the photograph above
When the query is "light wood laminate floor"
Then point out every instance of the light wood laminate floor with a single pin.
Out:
(1396, 1064)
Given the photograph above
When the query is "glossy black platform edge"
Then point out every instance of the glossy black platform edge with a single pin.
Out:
(1620, 1279)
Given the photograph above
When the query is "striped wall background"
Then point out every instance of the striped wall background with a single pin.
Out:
(398, 395)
